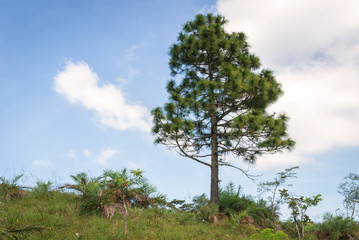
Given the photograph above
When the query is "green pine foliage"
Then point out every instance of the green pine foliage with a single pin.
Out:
(219, 107)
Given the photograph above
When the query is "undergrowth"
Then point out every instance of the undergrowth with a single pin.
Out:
(76, 211)
(60, 218)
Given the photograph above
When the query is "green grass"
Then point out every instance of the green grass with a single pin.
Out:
(59, 214)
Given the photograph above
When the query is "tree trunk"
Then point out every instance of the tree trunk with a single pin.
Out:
(214, 181)
(297, 227)
(214, 162)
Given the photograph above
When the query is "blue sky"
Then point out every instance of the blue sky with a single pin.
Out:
(79, 78)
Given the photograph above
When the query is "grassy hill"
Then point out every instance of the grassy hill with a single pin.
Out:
(58, 214)
(46, 212)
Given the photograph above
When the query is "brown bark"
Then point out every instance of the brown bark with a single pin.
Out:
(214, 161)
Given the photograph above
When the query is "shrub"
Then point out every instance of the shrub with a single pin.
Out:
(89, 189)
(10, 189)
(206, 213)
(299, 206)
(289, 228)
(43, 189)
(200, 201)
(260, 213)
(118, 188)
(231, 201)
(337, 227)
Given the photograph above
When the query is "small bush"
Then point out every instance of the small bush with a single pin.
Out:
(43, 189)
(337, 227)
(230, 200)
(289, 228)
(260, 213)
(200, 201)
(89, 189)
(10, 189)
(115, 190)
(206, 213)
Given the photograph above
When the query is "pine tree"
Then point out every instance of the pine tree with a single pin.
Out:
(219, 107)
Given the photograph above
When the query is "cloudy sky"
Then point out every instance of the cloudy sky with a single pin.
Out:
(78, 80)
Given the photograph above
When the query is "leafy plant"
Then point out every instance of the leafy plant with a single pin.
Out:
(299, 206)
(272, 187)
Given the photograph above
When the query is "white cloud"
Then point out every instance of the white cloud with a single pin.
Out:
(131, 52)
(87, 153)
(79, 84)
(313, 46)
(208, 9)
(105, 156)
(282, 30)
(42, 164)
(131, 72)
(122, 81)
(283, 160)
(134, 165)
(323, 104)
(72, 154)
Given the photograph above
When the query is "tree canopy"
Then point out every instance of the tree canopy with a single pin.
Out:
(219, 106)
